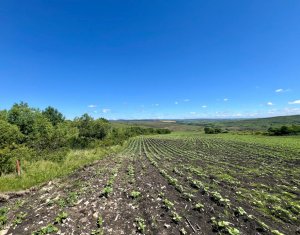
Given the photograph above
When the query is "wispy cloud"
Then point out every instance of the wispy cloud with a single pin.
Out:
(204, 106)
(193, 113)
(270, 104)
(176, 102)
(186, 100)
(280, 90)
(295, 102)
(92, 106)
(226, 99)
(106, 110)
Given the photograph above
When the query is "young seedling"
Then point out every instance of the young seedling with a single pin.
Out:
(183, 231)
(72, 198)
(240, 212)
(19, 218)
(3, 217)
(106, 191)
(168, 204)
(46, 230)
(224, 226)
(199, 207)
(60, 218)
(188, 196)
(175, 217)
(217, 197)
(99, 230)
(141, 225)
(135, 194)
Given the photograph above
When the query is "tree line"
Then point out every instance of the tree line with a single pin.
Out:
(284, 130)
(32, 134)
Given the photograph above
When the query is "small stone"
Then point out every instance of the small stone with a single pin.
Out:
(83, 220)
(3, 232)
(96, 215)
(167, 225)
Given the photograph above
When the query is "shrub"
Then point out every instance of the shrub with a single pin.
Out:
(8, 157)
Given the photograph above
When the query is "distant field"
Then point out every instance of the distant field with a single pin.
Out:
(171, 125)
(261, 124)
(246, 124)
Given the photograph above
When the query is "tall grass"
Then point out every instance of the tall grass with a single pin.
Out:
(42, 171)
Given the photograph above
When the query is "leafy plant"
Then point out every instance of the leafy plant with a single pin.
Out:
(224, 226)
(188, 196)
(183, 231)
(106, 191)
(19, 218)
(61, 217)
(135, 194)
(283, 214)
(99, 230)
(217, 197)
(3, 216)
(50, 228)
(199, 207)
(175, 217)
(141, 224)
(168, 204)
(240, 211)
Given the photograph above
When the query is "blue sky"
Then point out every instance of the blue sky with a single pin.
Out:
(152, 59)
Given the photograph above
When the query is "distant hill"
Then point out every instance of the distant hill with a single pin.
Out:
(247, 124)
(230, 124)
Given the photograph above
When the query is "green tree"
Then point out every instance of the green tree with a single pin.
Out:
(53, 115)
(3, 115)
(9, 134)
(22, 116)
(63, 135)
(42, 131)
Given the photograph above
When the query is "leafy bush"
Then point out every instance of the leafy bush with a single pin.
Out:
(9, 134)
(211, 130)
(8, 157)
(284, 130)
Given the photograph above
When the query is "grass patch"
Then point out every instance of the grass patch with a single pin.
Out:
(42, 171)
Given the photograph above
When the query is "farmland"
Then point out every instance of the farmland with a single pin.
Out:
(173, 184)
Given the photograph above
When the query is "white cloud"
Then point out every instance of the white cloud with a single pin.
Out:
(295, 102)
(106, 110)
(270, 104)
(282, 90)
(193, 113)
(92, 106)
(176, 102)
(226, 99)
(156, 105)
(204, 106)
(186, 100)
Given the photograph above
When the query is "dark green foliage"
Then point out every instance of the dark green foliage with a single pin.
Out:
(9, 134)
(90, 128)
(284, 130)
(23, 117)
(27, 134)
(211, 130)
(9, 155)
(3, 115)
(53, 115)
